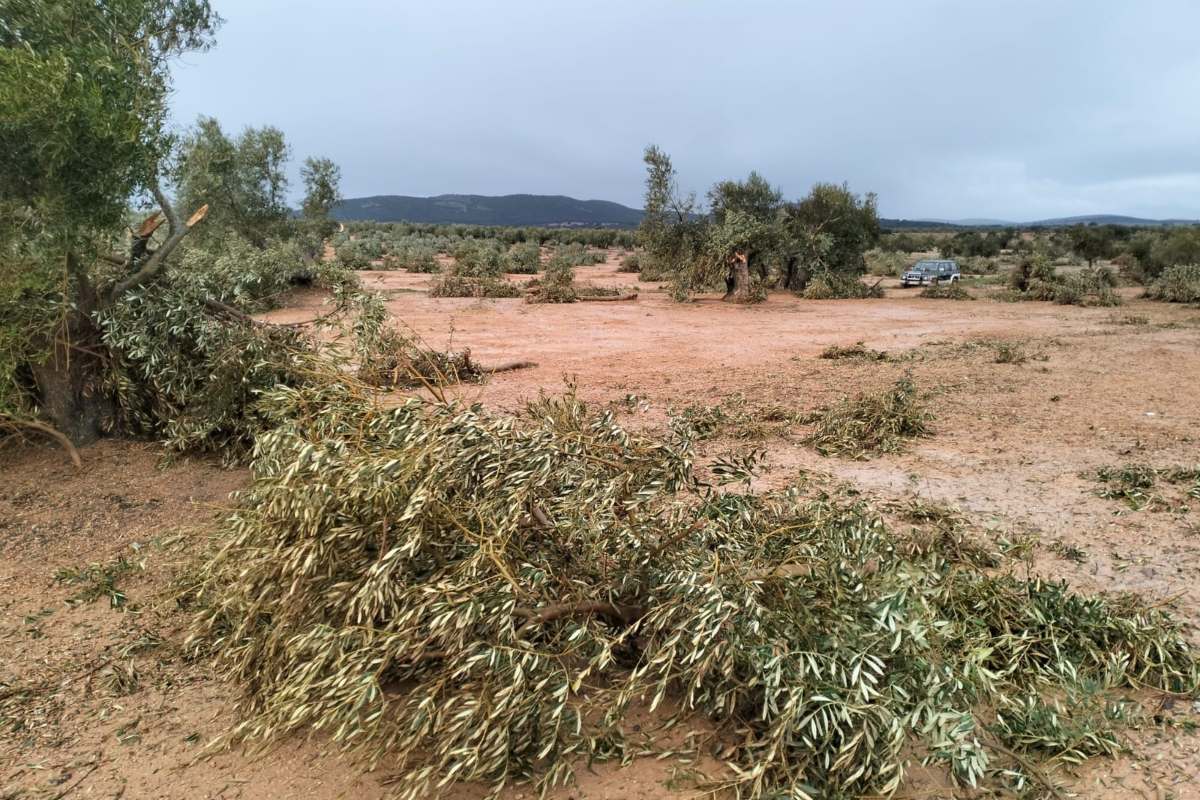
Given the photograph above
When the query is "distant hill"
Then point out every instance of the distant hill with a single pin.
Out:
(916, 224)
(472, 209)
(1107, 219)
(558, 211)
(971, 223)
(1058, 222)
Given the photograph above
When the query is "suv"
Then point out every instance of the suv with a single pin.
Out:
(931, 272)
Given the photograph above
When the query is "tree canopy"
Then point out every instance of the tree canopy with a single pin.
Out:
(83, 89)
(322, 180)
(750, 238)
(243, 177)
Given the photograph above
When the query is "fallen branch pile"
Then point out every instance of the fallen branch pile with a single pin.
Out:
(600, 298)
(476, 598)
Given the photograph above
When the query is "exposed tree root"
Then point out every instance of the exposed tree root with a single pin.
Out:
(17, 425)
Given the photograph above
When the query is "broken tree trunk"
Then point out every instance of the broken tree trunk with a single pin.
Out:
(738, 283)
(69, 382)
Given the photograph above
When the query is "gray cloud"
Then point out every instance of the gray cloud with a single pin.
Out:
(1014, 109)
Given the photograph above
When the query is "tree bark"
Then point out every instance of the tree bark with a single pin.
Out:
(737, 284)
(795, 277)
(68, 381)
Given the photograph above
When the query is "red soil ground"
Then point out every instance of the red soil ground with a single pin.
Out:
(1010, 444)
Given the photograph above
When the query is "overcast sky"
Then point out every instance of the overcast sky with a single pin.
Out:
(1013, 109)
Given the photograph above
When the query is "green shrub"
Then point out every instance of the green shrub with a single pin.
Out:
(1130, 267)
(557, 284)
(351, 255)
(653, 269)
(1087, 287)
(1033, 273)
(630, 263)
(478, 259)
(1178, 284)
(1035, 278)
(413, 258)
(885, 263)
(1041, 290)
(978, 265)
(424, 261)
(579, 256)
(1173, 248)
(524, 259)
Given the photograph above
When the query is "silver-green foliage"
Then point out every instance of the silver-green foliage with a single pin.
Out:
(1087, 287)
(189, 367)
(557, 284)
(828, 285)
(1178, 284)
(483, 598)
(524, 258)
(878, 422)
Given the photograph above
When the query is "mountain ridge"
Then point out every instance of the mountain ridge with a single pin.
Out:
(541, 210)
(1050, 222)
(536, 210)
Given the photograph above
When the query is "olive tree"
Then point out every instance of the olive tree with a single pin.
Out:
(828, 231)
(322, 191)
(243, 178)
(751, 239)
(671, 231)
(83, 90)
(731, 248)
(1090, 242)
(1177, 247)
(744, 216)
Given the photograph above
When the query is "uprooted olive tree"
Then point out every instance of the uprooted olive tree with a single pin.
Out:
(458, 596)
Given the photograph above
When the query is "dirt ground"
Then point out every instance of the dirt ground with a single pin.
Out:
(98, 702)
